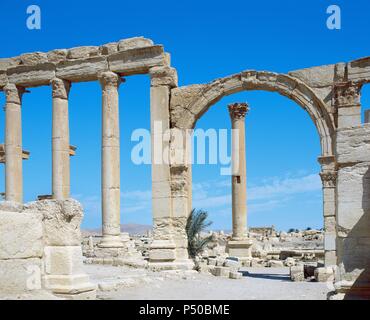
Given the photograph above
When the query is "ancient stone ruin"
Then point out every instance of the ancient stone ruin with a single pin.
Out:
(40, 242)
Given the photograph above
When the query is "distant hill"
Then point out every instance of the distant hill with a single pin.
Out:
(131, 228)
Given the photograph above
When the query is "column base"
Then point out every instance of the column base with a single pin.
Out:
(241, 248)
(174, 265)
(111, 242)
(70, 286)
(162, 251)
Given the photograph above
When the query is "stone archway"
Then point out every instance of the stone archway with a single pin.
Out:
(189, 103)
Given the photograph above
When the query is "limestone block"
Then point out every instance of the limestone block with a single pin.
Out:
(6, 63)
(34, 58)
(324, 274)
(359, 69)
(232, 264)
(109, 48)
(57, 55)
(235, 275)
(275, 264)
(164, 76)
(162, 250)
(32, 76)
(353, 192)
(316, 76)
(83, 52)
(20, 235)
(11, 206)
(20, 275)
(62, 221)
(136, 60)
(353, 145)
(212, 261)
(3, 79)
(329, 241)
(297, 273)
(63, 260)
(68, 284)
(221, 271)
(134, 43)
(81, 70)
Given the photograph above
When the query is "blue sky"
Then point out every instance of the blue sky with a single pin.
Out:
(207, 39)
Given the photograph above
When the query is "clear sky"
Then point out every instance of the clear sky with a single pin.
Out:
(207, 39)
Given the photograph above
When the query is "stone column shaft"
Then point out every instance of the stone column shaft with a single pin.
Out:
(13, 144)
(239, 176)
(60, 140)
(110, 161)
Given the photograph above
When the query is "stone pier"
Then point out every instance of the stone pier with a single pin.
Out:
(239, 245)
(60, 140)
(110, 161)
(13, 143)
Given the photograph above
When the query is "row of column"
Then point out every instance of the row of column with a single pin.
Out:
(61, 150)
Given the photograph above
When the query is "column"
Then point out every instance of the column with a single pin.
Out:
(238, 112)
(13, 144)
(110, 161)
(60, 140)
(239, 245)
(329, 182)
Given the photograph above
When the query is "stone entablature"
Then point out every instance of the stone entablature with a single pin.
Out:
(125, 57)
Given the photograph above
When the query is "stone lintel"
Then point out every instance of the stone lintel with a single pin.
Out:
(31, 76)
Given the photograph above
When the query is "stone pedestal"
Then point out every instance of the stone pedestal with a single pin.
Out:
(240, 248)
(64, 274)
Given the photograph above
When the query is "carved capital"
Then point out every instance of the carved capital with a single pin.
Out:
(238, 110)
(109, 79)
(329, 179)
(13, 93)
(347, 94)
(60, 88)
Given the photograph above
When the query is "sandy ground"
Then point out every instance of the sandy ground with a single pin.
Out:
(258, 284)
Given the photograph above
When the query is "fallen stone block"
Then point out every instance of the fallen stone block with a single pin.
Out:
(323, 274)
(289, 262)
(221, 271)
(275, 264)
(297, 273)
(235, 275)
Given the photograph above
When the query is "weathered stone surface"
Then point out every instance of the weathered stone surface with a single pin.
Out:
(11, 206)
(20, 275)
(297, 273)
(63, 260)
(3, 79)
(359, 69)
(353, 144)
(32, 76)
(20, 235)
(138, 60)
(6, 63)
(235, 275)
(324, 274)
(109, 48)
(134, 43)
(163, 76)
(57, 55)
(34, 58)
(62, 221)
(82, 70)
(83, 52)
(321, 76)
(221, 271)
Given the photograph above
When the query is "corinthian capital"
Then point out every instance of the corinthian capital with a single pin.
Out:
(238, 110)
(60, 88)
(13, 93)
(329, 179)
(109, 79)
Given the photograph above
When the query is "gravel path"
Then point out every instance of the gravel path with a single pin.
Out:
(259, 284)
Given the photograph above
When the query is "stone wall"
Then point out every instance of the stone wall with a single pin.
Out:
(40, 249)
(353, 208)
